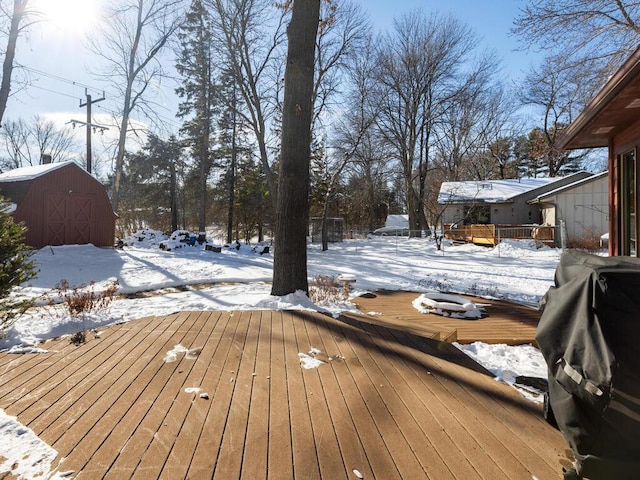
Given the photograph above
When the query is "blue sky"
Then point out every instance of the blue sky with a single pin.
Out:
(490, 19)
(57, 50)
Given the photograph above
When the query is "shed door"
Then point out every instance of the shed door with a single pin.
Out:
(69, 218)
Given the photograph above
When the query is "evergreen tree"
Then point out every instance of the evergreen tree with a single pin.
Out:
(538, 157)
(251, 202)
(231, 141)
(195, 66)
(15, 267)
(153, 175)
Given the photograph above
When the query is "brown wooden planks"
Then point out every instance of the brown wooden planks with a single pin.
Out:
(385, 402)
(504, 322)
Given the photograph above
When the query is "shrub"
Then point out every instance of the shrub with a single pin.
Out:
(588, 242)
(15, 268)
(80, 300)
(324, 288)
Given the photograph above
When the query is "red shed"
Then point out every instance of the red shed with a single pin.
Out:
(60, 204)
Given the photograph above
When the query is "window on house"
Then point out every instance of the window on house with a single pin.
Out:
(476, 215)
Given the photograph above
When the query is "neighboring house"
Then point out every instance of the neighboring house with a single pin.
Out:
(582, 207)
(498, 202)
(60, 204)
(612, 120)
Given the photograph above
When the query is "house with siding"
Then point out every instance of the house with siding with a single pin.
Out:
(498, 202)
(60, 204)
(581, 209)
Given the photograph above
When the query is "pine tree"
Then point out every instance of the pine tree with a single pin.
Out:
(231, 140)
(251, 202)
(154, 174)
(197, 92)
(15, 267)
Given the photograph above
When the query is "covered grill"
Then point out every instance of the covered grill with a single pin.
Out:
(589, 335)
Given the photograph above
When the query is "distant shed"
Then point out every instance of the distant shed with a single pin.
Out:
(60, 204)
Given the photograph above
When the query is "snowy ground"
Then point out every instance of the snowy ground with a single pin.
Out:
(158, 282)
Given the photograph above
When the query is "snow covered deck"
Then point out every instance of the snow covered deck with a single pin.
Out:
(234, 401)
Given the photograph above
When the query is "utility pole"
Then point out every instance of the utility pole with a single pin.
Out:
(89, 124)
(88, 104)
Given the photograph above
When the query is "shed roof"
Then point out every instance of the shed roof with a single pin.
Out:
(15, 183)
(29, 173)
(492, 191)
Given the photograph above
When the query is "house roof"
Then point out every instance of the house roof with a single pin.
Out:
(495, 191)
(614, 109)
(569, 186)
(29, 173)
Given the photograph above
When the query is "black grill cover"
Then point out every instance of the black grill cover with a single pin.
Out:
(589, 335)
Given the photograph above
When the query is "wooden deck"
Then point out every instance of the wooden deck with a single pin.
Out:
(386, 403)
(502, 322)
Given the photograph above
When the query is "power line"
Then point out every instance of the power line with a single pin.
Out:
(59, 78)
(76, 97)
(168, 121)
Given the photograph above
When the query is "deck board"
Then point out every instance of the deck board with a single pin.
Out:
(502, 322)
(386, 402)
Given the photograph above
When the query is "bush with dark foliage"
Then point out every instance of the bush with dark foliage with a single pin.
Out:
(15, 267)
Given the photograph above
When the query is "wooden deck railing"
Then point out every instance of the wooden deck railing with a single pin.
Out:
(491, 234)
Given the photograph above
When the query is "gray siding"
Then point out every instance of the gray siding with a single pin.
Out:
(585, 209)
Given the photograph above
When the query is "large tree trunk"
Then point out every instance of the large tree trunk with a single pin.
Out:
(292, 214)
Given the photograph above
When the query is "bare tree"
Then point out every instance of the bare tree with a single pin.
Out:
(554, 87)
(343, 34)
(25, 143)
(136, 33)
(51, 140)
(419, 73)
(15, 137)
(250, 38)
(355, 124)
(292, 213)
(603, 31)
(473, 118)
(19, 19)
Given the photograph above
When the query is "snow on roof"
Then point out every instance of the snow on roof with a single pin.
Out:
(489, 191)
(29, 173)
